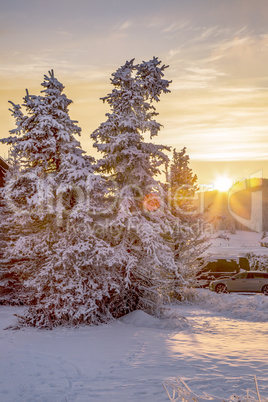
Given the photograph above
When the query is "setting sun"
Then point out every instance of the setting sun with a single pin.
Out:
(222, 183)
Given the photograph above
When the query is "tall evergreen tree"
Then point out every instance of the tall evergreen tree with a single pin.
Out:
(68, 270)
(189, 236)
(183, 185)
(139, 213)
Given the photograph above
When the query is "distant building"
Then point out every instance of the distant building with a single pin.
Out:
(3, 170)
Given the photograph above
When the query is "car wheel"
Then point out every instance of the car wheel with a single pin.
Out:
(265, 290)
(221, 288)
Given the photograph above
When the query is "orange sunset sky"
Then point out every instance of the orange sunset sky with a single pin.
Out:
(217, 51)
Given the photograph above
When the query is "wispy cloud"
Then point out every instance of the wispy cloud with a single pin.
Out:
(175, 26)
(246, 52)
(208, 32)
(208, 73)
(127, 24)
(173, 52)
(65, 33)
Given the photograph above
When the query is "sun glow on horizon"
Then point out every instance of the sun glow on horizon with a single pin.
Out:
(222, 183)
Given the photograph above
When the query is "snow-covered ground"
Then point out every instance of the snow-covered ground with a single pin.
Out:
(238, 244)
(217, 346)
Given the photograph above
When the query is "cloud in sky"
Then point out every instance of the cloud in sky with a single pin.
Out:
(217, 52)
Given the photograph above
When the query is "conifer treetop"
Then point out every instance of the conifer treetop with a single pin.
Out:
(44, 137)
(180, 172)
(121, 137)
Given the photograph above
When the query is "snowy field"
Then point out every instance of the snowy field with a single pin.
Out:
(237, 244)
(216, 346)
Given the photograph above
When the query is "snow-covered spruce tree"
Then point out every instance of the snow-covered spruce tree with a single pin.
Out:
(11, 291)
(138, 216)
(257, 262)
(189, 231)
(55, 253)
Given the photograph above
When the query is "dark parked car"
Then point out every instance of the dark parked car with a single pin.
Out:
(217, 268)
(251, 281)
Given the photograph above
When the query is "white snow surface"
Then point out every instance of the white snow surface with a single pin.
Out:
(236, 245)
(216, 344)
